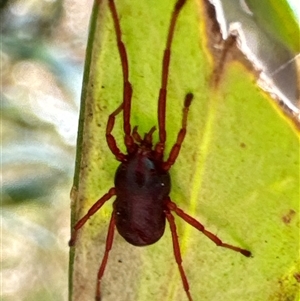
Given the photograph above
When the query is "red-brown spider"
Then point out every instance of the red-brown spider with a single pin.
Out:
(142, 180)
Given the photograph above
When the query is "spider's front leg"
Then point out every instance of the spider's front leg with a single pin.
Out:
(181, 134)
(127, 88)
(160, 146)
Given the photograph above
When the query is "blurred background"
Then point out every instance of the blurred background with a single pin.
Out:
(42, 54)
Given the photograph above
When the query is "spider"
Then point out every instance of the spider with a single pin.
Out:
(142, 180)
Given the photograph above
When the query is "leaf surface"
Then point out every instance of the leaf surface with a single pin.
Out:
(237, 172)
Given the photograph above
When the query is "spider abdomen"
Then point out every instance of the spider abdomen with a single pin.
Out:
(141, 189)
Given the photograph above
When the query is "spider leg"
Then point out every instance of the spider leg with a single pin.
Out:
(177, 253)
(148, 136)
(108, 245)
(181, 134)
(127, 89)
(193, 222)
(160, 146)
(92, 211)
(137, 137)
(110, 139)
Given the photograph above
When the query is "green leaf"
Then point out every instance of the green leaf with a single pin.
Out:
(237, 172)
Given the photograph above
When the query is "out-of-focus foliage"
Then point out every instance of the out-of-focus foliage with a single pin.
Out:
(42, 52)
(268, 33)
(278, 19)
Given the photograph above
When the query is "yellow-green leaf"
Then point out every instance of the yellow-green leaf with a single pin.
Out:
(237, 172)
